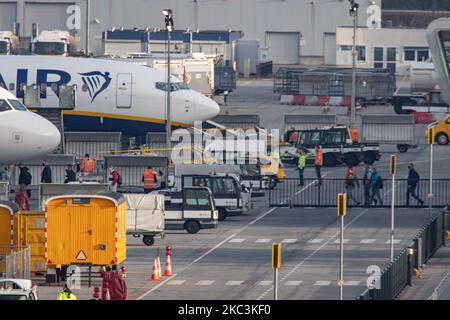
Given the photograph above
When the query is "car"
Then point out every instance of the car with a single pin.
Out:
(17, 289)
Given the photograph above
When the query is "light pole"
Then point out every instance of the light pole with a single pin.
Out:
(354, 13)
(169, 28)
(88, 26)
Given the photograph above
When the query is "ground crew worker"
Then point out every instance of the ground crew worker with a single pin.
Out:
(46, 176)
(87, 164)
(149, 179)
(301, 168)
(276, 156)
(319, 164)
(66, 294)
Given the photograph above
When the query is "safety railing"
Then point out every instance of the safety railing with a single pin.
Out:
(264, 69)
(442, 291)
(398, 274)
(312, 194)
(15, 262)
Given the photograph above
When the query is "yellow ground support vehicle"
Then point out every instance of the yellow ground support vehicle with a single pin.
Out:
(441, 131)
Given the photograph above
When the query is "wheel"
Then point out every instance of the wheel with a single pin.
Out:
(329, 160)
(192, 227)
(222, 214)
(442, 139)
(398, 108)
(351, 159)
(369, 157)
(403, 148)
(148, 240)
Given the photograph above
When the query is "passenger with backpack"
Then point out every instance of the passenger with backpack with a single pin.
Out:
(351, 181)
(113, 180)
(376, 184)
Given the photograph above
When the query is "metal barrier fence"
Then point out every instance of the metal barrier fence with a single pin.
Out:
(290, 194)
(307, 122)
(442, 291)
(57, 162)
(385, 129)
(224, 79)
(15, 262)
(264, 69)
(95, 144)
(238, 121)
(4, 191)
(398, 274)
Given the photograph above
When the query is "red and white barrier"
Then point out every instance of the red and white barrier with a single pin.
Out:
(321, 101)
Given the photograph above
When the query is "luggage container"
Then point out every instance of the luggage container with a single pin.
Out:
(145, 216)
(29, 230)
(7, 211)
(85, 229)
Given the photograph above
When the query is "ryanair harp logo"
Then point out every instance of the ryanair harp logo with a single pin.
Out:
(96, 82)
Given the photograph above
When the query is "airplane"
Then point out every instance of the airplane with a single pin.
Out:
(24, 135)
(111, 96)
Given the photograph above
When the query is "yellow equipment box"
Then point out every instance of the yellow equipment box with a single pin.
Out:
(7, 212)
(86, 230)
(29, 230)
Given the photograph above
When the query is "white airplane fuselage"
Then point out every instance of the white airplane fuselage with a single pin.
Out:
(24, 135)
(111, 96)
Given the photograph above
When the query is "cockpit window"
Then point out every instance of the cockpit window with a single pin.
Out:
(4, 106)
(174, 86)
(18, 105)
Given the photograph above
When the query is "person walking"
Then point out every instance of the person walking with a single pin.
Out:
(87, 164)
(149, 179)
(413, 180)
(22, 199)
(71, 176)
(25, 179)
(301, 168)
(376, 184)
(351, 181)
(113, 179)
(366, 185)
(319, 164)
(46, 176)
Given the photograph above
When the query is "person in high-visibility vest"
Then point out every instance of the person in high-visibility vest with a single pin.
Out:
(276, 156)
(66, 294)
(301, 167)
(319, 164)
(87, 164)
(149, 179)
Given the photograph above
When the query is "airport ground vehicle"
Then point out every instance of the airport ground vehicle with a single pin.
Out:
(9, 43)
(191, 209)
(145, 216)
(17, 289)
(428, 102)
(56, 43)
(338, 144)
(441, 131)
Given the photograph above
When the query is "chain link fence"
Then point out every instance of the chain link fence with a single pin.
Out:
(15, 262)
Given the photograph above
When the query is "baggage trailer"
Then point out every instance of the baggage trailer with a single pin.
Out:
(84, 230)
(145, 216)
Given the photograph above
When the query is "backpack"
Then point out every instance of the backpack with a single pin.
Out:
(380, 182)
(119, 179)
(350, 181)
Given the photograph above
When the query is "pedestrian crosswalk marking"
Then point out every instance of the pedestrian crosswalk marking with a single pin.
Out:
(265, 283)
(396, 241)
(293, 283)
(205, 283)
(237, 240)
(352, 283)
(176, 282)
(263, 240)
(234, 283)
(368, 241)
(289, 241)
(322, 283)
(338, 241)
(315, 241)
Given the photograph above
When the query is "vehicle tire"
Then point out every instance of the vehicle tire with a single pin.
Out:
(148, 240)
(398, 108)
(403, 148)
(329, 160)
(222, 214)
(442, 139)
(351, 159)
(192, 227)
(369, 157)
(272, 183)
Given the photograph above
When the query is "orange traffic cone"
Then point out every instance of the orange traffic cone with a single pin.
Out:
(106, 293)
(159, 268)
(154, 276)
(168, 271)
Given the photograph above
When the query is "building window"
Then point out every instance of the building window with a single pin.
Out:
(416, 54)
(346, 48)
(378, 54)
(361, 53)
(391, 54)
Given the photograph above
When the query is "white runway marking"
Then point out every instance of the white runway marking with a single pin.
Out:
(176, 282)
(315, 241)
(237, 240)
(352, 283)
(293, 283)
(396, 241)
(322, 283)
(265, 283)
(368, 241)
(338, 241)
(263, 240)
(289, 241)
(205, 283)
(234, 283)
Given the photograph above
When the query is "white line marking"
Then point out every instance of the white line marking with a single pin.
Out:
(236, 240)
(263, 240)
(234, 283)
(352, 283)
(368, 241)
(156, 288)
(176, 282)
(396, 241)
(293, 283)
(315, 241)
(338, 241)
(265, 283)
(205, 283)
(289, 241)
(322, 283)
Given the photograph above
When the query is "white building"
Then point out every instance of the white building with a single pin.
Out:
(382, 48)
(293, 31)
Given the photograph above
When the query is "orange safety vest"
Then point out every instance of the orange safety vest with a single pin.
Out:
(319, 158)
(87, 165)
(149, 179)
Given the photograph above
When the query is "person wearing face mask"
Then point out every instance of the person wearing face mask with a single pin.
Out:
(46, 176)
(413, 180)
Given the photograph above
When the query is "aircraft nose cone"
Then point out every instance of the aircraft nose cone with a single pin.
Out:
(207, 108)
(46, 136)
